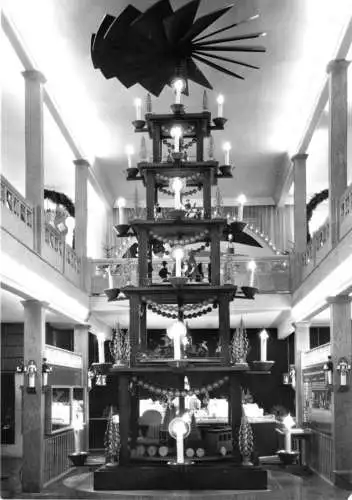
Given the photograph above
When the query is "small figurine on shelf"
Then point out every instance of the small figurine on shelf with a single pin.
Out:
(203, 349)
(164, 272)
(157, 211)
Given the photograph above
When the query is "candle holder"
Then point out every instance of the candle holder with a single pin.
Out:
(177, 109)
(249, 291)
(226, 170)
(219, 122)
(177, 214)
(237, 226)
(132, 172)
(177, 281)
(121, 229)
(261, 366)
(288, 457)
(177, 155)
(78, 458)
(138, 124)
(112, 293)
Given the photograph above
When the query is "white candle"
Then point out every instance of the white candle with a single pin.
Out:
(176, 133)
(77, 441)
(177, 347)
(101, 353)
(220, 101)
(288, 441)
(178, 86)
(241, 200)
(111, 285)
(178, 267)
(178, 255)
(226, 148)
(177, 186)
(343, 378)
(263, 345)
(129, 153)
(179, 448)
(121, 202)
(252, 267)
(138, 106)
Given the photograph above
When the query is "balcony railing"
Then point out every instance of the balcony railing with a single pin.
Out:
(271, 275)
(302, 264)
(17, 214)
(346, 211)
(17, 217)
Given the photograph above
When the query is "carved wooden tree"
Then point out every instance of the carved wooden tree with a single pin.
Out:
(112, 440)
(120, 346)
(245, 441)
(239, 346)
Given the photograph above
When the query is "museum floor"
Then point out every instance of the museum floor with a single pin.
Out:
(283, 485)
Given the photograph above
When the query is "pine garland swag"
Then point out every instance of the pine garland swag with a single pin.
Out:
(60, 199)
(245, 441)
(312, 205)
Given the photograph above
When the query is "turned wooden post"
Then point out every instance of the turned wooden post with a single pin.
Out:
(124, 413)
(224, 327)
(142, 256)
(156, 143)
(150, 194)
(207, 194)
(235, 408)
(134, 326)
(143, 326)
(215, 256)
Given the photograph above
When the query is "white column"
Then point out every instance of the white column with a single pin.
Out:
(300, 194)
(81, 213)
(301, 345)
(34, 134)
(338, 105)
(81, 343)
(341, 346)
(33, 404)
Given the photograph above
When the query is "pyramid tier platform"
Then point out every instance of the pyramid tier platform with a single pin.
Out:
(188, 293)
(178, 225)
(216, 475)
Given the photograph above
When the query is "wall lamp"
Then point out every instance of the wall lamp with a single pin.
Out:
(26, 375)
(344, 368)
(328, 370)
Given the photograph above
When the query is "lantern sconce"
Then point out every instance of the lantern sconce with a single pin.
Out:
(46, 369)
(21, 369)
(328, 369)
(344, 368)
(31, 376)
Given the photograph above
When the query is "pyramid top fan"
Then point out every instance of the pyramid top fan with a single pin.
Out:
(154, 47)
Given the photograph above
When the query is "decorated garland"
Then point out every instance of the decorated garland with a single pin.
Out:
(185, 178)
(159, 310)
(312, 205)
(180, 241)
(185, 193)
(60, 199)
(174, 393)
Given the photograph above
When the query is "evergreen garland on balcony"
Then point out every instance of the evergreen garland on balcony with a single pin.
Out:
(60, 199)
(312, 205)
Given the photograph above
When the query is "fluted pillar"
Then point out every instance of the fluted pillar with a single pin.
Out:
(338, 109)
(300, 195)
(34, 157)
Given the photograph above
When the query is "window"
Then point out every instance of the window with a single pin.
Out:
(64, 409)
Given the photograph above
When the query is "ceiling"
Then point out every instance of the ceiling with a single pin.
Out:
(267, 112)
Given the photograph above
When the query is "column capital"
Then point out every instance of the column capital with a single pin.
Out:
(81, 162)
(299, 156)
(339, 299)
(34, 75)
(32, 302)
(337, 65)
(301, 324)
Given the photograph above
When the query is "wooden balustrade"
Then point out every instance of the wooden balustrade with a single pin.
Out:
(321, 455)
(346, 211)
(13, 201)
(271, 275)
(56, 451)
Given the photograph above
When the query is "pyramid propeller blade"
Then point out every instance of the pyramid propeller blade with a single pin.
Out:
(203, 22)
(217, 66)
(196, 75)
(221, 30)
(227, 59)
(234, 48)
(250, 36)
(177, 25)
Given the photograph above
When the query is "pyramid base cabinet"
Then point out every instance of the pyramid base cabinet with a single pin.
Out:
(198, 476)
